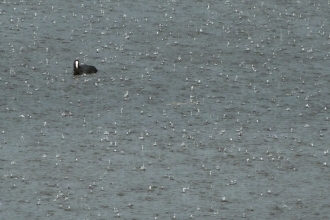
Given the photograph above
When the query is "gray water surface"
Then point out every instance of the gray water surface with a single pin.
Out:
(226, 117)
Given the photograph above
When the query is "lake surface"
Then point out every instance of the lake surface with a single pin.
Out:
(200, 110)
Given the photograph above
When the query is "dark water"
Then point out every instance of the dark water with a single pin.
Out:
(226, 117)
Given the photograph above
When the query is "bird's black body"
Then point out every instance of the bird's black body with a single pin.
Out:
(82, 69)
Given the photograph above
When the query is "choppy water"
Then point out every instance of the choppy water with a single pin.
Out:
(226, 117)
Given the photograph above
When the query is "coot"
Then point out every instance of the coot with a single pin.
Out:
(82, 69)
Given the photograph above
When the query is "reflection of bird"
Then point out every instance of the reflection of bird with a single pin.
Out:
(82, 69)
